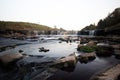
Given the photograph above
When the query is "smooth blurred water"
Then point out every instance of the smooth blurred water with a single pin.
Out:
(81, 71)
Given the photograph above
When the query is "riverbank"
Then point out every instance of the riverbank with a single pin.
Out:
(110, 73)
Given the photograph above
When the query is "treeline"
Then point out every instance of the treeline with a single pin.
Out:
(112, 19)
(107, 26)
(90, 27)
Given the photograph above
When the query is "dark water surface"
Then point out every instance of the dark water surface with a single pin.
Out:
(80, 71)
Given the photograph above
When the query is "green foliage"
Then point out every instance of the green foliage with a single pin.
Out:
(90, 27)
(88, 49)
(111, 20)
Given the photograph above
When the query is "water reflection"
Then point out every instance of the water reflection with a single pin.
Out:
(39, 65)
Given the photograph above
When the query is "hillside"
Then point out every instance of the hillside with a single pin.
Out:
(20, 30)
(7, 25)
(111, 24)
(107, 26)
(90, 27)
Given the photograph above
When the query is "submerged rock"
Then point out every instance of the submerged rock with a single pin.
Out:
(117, 54)
(104, 51)
(86, 57)
(44, 75)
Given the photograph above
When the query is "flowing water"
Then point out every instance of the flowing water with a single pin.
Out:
(58, 49)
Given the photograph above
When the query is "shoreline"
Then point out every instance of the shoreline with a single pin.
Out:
(106, 72)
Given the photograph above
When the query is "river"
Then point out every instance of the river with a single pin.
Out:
(58, 49)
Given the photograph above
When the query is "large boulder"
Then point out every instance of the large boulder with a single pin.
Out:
(111, 73)
(7, 59)
(86, 57)
(68, 61)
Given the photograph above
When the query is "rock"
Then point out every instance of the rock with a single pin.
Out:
(116, 46)
(7, 47)
(68, 61)
(104, 51)
(42, 49)
(78, 47)
(10, 58)
(111, 73)
(20, 51)
(86, 57)
(44, 75)
(91, 43)
(117, 54)
(84, 40)
(60, 42)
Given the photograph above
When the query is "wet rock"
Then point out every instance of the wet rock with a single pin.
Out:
(3, 48)
(33, 68)
(117, 54)
(86, 57)
(44, 75)
(84, 40)
(116, 46)
(20, 51)
(78, 47)
(8, 59)
(104, 51)
(60, 42)
(62, 39)
(92, 43)
(111, 73)
(68, 61)
(42, 49)
(35, 56)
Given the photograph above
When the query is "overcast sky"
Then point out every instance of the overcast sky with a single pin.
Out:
(68, 14)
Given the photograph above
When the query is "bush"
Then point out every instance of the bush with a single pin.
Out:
(87, 49)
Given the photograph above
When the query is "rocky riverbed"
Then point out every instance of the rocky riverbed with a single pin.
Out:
(61, 62)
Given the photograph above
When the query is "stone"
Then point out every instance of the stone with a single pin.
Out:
(86, 57)
(68, 61)
(117, 54)
(91, 43)
(104, 51)
(20, 51)
(111, 73)
(42, 49)
(116, 46)
(9, 58)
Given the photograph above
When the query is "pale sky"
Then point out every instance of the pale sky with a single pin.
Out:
(67, 14)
